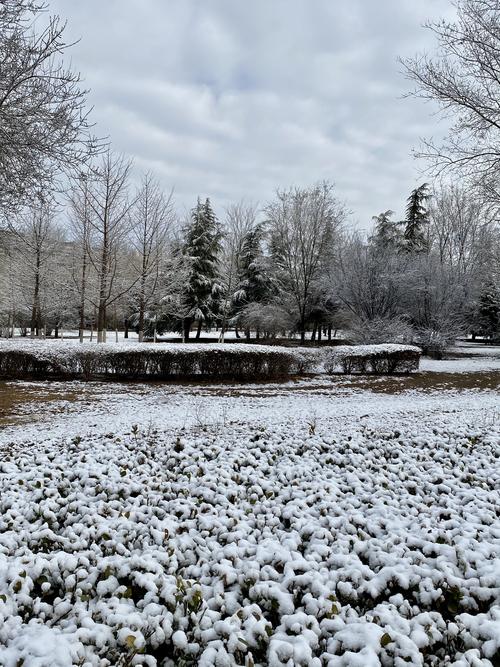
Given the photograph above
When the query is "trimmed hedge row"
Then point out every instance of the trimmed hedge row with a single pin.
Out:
(161, 362)
(384, 359)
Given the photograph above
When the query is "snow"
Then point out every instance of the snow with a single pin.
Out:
(303, 523)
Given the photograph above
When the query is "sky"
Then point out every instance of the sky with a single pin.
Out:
(233, 99)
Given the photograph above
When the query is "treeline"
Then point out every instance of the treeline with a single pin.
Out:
(81, 247)
(121, 258)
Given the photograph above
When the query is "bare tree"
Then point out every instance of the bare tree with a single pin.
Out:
(459, 223)
(241, 218)
(370, 279)
(152, 220)
(44, 123)
(109, 206)
(36, 246)
(81, 227)
(464, 79)
(302, 224)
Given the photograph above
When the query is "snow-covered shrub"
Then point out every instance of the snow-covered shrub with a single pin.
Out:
(370, 544)
(32, 359)
(307, 360)
(434, 342)
(378, 359)
(381, 330)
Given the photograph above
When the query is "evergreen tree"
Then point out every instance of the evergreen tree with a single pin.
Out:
(417, 218)
(255, 285)
(489, 310)
(201, 249)
(386, 233)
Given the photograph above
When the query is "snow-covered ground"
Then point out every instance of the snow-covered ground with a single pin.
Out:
(314, 523)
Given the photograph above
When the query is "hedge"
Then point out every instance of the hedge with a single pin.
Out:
(384, 359)
(34, 359)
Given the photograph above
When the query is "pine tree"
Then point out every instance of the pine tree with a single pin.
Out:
(417, 218)
(201, 249)
(254, 282)
(386, 233)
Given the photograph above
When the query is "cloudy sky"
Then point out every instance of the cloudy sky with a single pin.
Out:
(232, 99)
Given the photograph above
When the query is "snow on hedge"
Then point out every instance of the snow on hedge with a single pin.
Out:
(381, 359)
(330, 544)
(30, 358)
(135, 360)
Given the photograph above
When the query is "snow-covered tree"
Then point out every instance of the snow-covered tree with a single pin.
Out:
(152, 219)
(301, 223)
(416, 222)
(386, 233)
(201, 250)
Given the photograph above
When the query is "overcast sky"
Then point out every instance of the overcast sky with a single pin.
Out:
(232, 99)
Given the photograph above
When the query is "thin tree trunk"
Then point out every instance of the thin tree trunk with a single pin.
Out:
(83, 286)
(103, 284)
(186, 329)
(35, 312)
(198, 331)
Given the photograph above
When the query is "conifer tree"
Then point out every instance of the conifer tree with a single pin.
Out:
(202, 247)
(255, 284)
(489, 310)
(386, 233)
(417, 218)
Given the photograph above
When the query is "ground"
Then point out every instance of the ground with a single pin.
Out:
(323, 521)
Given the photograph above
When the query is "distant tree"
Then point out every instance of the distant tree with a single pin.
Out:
(416, 221)
(370, 280)
(488, 321)
(36, 240)
(44, 125)
(202, 247)
(109, 204)
(152, 218)
(255, 282)
(239, 222)
(386, 233)
(301, 223)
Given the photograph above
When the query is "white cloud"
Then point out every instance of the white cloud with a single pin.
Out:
(233, 99)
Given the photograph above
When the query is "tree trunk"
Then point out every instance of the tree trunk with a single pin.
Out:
(329, 332)
(56, 331)
(198, 331)
(319, 333)
(101, 322)
(35, 311)
(103, 285)
(125, 326)
(83, 286)
(313, 334)
(186, 327)
(248, 334)
(236, 332)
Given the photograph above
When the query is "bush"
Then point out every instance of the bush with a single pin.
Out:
(434, 342)
(382, 330)
(378, 359)
(33, 359)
